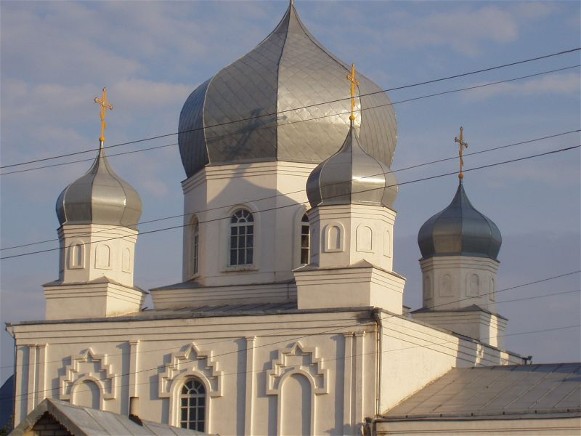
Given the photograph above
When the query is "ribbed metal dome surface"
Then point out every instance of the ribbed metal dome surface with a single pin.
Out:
(459, 230)
(99, 197)
(248, 111)
(351, 176)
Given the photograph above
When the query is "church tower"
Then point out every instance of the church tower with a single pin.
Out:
(459, 247)
(351, 196)
(249, 137)
(98, 214)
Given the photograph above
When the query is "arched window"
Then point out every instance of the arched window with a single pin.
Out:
(305, 240)
(193, 405)
(241, 238)
(194, 247)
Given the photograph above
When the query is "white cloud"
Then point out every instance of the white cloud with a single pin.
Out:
(462, 30)
(555, 84)
(35, 47)
(533, 11)
(148, 96)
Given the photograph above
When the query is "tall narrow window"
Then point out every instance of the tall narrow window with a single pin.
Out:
(241, 238)
(305, 240)
(195, 246)
(193, 405)
(76, 256)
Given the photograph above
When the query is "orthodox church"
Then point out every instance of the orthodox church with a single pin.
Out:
(289, 317)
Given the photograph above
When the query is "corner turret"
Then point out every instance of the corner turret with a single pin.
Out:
(459, 247)
(98, 214)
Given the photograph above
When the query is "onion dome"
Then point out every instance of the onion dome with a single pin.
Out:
(99, 197)
(459, 230)
(351, 176)
(283, 101)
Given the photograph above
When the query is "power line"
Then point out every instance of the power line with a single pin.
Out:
(437, 94)
(535, 282)
(456, 351)
(398, 88)
(488, 150)
(281, 333)
(406, 333)
(534, 297)
(328, 115)
(528, 141)
(292, 205)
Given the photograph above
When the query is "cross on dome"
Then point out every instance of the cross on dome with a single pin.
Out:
(352, 77)
(461, 146)
(104, 104)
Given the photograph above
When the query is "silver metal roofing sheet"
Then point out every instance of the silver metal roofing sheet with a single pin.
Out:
(91, 422)
(351, 176)
(292, 73)
(99, 197)
(459, 229)
(497, 390)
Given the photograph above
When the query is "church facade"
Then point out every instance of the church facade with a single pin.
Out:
(289, 318)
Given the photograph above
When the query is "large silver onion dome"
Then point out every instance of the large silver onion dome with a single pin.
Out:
(99, 197)
(351, 176)
(459, 230)
(285, 100)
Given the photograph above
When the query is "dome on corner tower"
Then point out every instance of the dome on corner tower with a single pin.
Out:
(459, 230)
(286, 100)
(351, 176)
(99, 197)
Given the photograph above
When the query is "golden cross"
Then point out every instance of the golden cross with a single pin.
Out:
(461, 146)
(104, 106)
(352, 77)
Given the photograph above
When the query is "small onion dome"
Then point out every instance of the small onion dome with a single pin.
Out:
(99, 197)
(459, 230)
(282, 101)
(351, 176)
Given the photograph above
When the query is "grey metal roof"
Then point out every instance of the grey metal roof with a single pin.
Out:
(233, 118)
(497, 390)
(99, 197)
(91, 422)
(98, 280)
(224, 310)
(471, 308)
(351, 176)
(459, 230)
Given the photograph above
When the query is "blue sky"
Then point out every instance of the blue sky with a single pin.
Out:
(56, 57)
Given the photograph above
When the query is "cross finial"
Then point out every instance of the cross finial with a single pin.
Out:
(104, 106)
(352, 77)
(461, 146)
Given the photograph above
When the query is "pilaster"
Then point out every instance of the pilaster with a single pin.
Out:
(250, 386)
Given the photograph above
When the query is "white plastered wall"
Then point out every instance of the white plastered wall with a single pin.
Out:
(96, 270)
(454, 282)
(274, 192)
(91, 251)
(414, 354)
(244, 366)
(347, 234)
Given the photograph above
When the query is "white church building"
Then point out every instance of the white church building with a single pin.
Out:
(289, 318)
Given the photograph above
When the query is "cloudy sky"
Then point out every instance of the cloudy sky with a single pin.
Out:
(56, 57)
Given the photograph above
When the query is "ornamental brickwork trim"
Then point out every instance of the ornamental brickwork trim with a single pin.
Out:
(89, 366)
(191, 361)
(297, 359)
